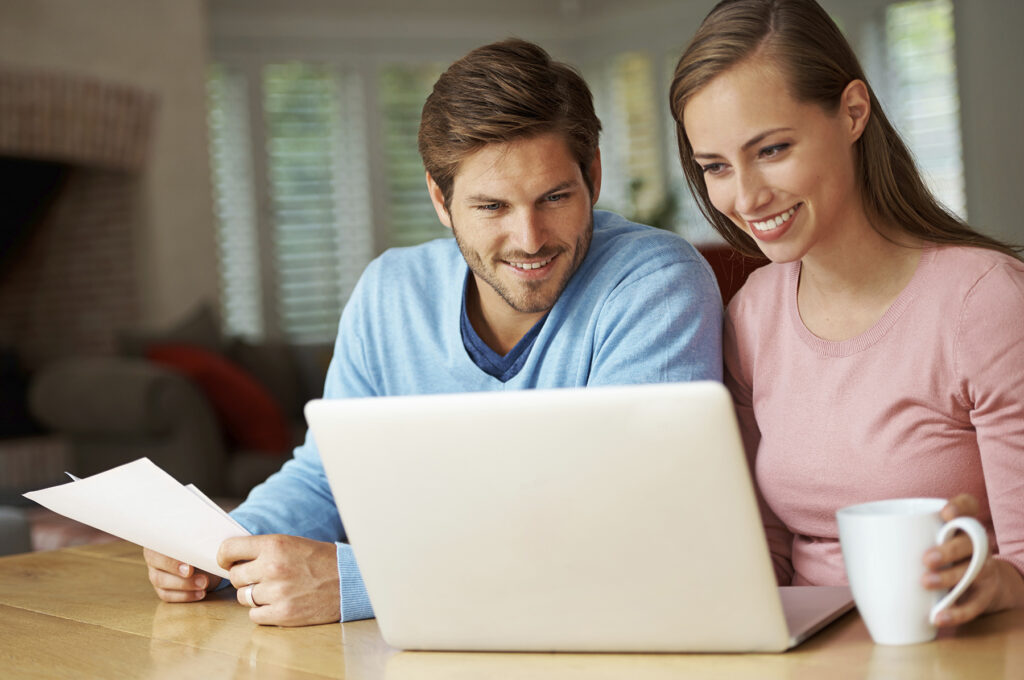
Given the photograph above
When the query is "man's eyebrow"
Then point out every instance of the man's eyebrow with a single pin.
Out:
(481, 198)
(753, 141)
(484, 198)
(568, 184)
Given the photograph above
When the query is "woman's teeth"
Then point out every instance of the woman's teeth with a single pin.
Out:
(775, 222)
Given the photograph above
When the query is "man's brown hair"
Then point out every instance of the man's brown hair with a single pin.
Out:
(500, 93)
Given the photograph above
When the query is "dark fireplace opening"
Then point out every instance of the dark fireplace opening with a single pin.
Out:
(30, 187)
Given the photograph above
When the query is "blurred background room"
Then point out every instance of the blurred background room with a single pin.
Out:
(192, 188)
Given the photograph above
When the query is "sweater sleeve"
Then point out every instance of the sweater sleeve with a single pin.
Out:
(664, 326)
(297, 500)
(739, 379)
(989, 351)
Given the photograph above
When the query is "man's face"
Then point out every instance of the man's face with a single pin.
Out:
(523, 218)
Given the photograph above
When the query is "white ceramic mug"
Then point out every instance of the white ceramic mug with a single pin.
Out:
(883, 545)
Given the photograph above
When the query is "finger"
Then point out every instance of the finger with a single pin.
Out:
(163, 580)
(240, 595)
(962, 505)
(165, 563)
(238, 549)
(244, 573)
(971, 604)
(280, 614)
(266, 615)
(944, 579)
(180, 595)
(955, 549)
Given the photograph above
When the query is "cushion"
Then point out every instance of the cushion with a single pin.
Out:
(250, 416)
(731, 268)
(271, 364)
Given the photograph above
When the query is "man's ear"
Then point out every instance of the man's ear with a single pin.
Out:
(595, 177)
(855, 105)
(437, 198)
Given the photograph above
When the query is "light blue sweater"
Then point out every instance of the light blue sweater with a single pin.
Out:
(642, 308)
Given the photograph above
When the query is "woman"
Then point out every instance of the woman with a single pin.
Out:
(881, 354)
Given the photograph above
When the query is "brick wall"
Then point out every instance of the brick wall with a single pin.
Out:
(73, 285)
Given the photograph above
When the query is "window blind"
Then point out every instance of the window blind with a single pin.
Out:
(315, 177)
(234, 203)
(402, 90)
(926, 106)
(633, 183)
(292, 145)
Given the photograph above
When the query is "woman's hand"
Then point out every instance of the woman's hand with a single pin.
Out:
(998, 586)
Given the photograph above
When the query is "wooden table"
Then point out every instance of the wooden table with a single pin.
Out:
(90, 612)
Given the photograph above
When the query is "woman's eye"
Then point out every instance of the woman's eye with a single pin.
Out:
(773, 150)
(712, 168)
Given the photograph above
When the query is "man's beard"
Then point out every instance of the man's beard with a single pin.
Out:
(527, 303)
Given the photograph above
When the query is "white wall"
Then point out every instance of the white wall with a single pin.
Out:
(990, 55)
(159, 45)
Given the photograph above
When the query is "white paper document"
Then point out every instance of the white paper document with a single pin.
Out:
(141, 503)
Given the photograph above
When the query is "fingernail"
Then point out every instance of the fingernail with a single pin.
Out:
(183, 569)
(933, 556)
(942, 618)
(200, 581)
(932, 580)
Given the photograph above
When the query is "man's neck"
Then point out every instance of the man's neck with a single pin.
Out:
(502, 328)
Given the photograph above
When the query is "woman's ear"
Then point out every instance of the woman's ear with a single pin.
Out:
(855, 105)
(437, 198)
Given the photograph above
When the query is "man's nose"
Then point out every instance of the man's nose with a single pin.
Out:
(528, 231)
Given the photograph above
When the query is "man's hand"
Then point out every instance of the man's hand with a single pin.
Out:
(176, 581)
(998, 586)
(294, 580)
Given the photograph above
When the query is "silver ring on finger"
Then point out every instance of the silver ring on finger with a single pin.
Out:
(247, 596)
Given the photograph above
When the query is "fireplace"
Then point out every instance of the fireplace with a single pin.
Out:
(72, 152)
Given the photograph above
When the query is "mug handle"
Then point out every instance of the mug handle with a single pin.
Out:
(979, 538)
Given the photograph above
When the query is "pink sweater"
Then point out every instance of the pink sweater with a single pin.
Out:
(928, 402)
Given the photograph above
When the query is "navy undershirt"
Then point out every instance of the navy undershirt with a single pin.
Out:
(504, 368)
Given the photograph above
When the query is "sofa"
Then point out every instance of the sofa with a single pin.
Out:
(221, 413)
(14, 531)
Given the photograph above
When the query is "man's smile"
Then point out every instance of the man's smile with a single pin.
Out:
(530, 265)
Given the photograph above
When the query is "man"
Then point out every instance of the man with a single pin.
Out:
(553, 296)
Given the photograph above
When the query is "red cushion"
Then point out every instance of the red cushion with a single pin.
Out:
(730, 267)
(250, 416)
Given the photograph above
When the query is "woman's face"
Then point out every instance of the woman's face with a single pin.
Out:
(782, 170)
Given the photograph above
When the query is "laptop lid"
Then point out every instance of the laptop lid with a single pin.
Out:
(597, 519)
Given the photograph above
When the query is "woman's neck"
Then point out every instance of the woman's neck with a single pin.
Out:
(847, 284)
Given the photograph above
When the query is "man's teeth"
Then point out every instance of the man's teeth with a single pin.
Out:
(774, 222)
(530, 265)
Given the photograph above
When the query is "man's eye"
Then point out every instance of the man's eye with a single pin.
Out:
(554, 198)
(489, 207)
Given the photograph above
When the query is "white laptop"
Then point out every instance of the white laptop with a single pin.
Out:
(608, 519)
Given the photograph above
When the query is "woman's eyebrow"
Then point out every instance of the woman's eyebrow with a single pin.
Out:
(753, 141)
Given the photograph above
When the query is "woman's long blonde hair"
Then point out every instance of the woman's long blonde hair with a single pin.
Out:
(817, 63)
